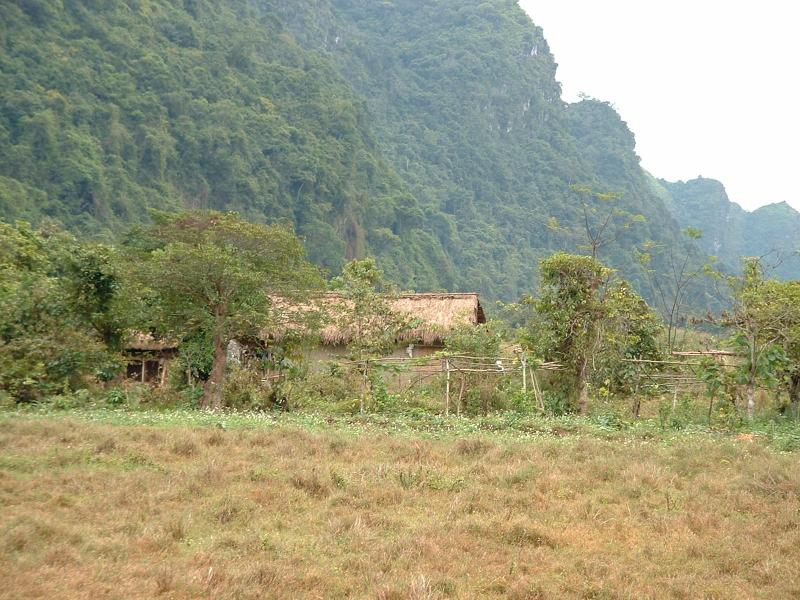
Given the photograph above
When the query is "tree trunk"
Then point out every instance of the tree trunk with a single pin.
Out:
(751, 399)
(583, 390)
(794, 394)
(212, 391)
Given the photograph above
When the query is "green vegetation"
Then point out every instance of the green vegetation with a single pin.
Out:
(430, 137)
(110, 108)
(191, 172)
(217, 276)
(60, 314)
(200, 281)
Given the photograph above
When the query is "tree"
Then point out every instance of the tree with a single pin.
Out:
(366, 313)
(570, 309)
(592, 323)
(671, 291)
(759, 321)
(766, 318)
(603, 223)
(55, 330)
(630, 331)
(214, 272)
(785, 319)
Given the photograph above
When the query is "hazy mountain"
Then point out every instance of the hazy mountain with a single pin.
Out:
(730, 232)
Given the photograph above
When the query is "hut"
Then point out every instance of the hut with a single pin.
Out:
(438, 314)
(149, 358)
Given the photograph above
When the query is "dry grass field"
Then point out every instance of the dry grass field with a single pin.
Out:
(95, 510)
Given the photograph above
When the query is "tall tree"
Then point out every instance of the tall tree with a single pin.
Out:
(365, 311)
(215, 272)
(675, 283)
(759, 320)
(602, 221)
(571, 309)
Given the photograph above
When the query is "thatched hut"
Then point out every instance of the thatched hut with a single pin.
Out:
(438, 313)
(148, 358)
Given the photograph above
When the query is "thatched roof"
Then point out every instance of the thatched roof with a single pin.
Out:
(145, 342)
(439, 313)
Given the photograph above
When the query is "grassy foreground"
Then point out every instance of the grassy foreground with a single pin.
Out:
(184, 505)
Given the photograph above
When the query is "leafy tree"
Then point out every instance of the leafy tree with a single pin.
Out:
(93, 283)
(365, 311)
(58, 314)
(784, 317)
(591, 323)
(571, 308)
(216, 273)
(630, 330)
(766, 318)
(758, 321)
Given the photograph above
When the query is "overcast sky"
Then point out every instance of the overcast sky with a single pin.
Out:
(708, 87)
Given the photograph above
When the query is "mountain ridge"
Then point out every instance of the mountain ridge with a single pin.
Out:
(731, 232)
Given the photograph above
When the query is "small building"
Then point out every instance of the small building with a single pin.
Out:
(149, 358)
(439, 313)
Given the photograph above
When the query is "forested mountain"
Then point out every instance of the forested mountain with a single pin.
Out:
(429, 134)
(730, 232)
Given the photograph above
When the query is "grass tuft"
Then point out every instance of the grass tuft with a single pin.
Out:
(311, 483)
(184, 447)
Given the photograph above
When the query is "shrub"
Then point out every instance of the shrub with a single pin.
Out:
(115, 397)
(244, 390)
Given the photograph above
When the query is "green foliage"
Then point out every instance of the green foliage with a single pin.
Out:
(766, 331)
(569, 310)
(214, 274)
(630, 330)
(107, 109)
(431, 136)
(365, 310)
(196, 355)
(591, 324)
(58, 312)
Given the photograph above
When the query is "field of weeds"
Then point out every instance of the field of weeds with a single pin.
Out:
(117, 505)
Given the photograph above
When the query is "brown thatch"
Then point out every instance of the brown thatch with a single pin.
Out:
(145, 342)
(439, 313)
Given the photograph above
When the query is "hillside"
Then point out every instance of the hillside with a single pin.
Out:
(108, 109)
(730, 232)
(431, 136)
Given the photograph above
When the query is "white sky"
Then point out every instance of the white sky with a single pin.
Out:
(708, 87)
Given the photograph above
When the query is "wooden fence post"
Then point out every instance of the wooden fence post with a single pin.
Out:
(447, 387)
(524, 375)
